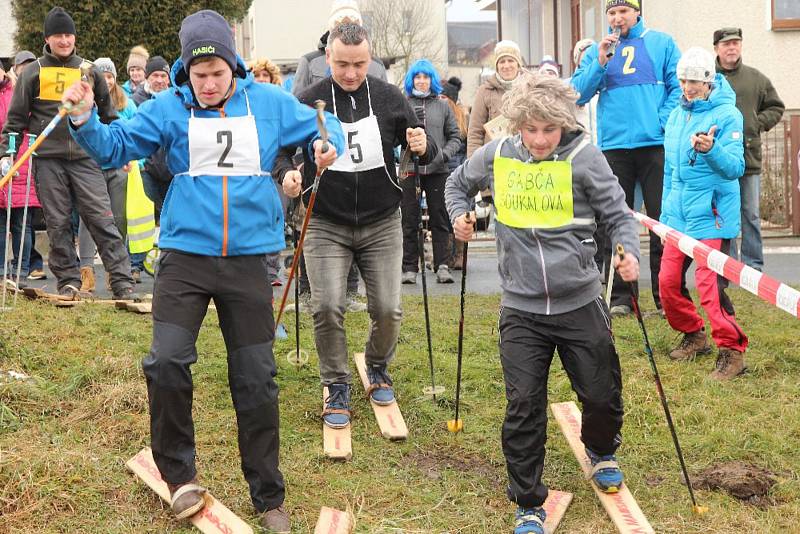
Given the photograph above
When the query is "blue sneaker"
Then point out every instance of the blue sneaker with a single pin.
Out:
(605, 473)
(530, 520)
(337, 406)
(380, 385)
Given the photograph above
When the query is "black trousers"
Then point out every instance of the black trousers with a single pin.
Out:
(646, 166)
(527, 344)
(438, 220)
(238, 285)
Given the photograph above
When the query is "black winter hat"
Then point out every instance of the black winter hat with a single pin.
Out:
(155, 64)
(206, 33)
(58, 21)
(451, 88)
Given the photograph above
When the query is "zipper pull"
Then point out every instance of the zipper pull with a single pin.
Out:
(352, 101)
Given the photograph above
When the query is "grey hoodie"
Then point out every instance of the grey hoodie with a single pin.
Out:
(550, 271)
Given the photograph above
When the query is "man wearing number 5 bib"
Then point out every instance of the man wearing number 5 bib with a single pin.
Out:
(550, 187)
(221, 216)
(633, 70)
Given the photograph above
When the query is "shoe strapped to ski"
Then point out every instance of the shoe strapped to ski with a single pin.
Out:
(276, 521)
(336, 413)
(530, 520)
(380, 389)
(186, 499)
(605, 472)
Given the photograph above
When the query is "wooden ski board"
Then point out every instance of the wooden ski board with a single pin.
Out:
(335, 441)
(556, 507)
(37, 293)
(138, 307)
(621, 507)
(332, 521)
(390, 419)
(215, 518)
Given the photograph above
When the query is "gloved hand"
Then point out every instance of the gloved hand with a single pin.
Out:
(5, 166)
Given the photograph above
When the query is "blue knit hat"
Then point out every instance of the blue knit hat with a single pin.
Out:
(206, 33)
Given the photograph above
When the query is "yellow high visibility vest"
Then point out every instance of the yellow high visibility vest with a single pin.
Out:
(140, 213)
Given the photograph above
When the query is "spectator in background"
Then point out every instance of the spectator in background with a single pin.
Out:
(701, 200)
(156, 79)
(422, 88)
(137, 60)
(762, 109)
(549, 67)
(637, 90)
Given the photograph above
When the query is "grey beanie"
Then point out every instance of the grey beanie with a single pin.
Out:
(206, 33)
(104, 64)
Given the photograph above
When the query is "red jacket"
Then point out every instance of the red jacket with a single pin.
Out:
(19, 181)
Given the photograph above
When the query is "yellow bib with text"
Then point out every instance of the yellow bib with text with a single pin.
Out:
(533, 195)
(53, 81)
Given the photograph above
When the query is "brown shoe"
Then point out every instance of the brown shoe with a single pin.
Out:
(186, 499)
(692, 344)
(87, 279)
(276, 521)
(730, 364)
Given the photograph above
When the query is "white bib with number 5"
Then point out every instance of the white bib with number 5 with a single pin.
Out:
(363, 149)
(226, 146)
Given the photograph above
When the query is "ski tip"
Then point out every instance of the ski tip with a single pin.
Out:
(455, 425)
(699, 510)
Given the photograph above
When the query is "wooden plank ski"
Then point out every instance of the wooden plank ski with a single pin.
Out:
(390, 420)
(556, 507)
(332, 521)
(621, 507)
(215, 518)
(335, 441)
(38, 293)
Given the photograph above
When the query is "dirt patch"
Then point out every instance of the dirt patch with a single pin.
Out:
(432, 463)
(746, 482)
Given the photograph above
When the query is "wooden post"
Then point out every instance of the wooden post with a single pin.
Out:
(795, 166)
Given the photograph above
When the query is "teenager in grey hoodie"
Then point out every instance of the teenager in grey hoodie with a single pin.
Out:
(551, 188)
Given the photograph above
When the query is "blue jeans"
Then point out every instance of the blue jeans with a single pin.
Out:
(750, 249)
(377, 249)
(16, 236)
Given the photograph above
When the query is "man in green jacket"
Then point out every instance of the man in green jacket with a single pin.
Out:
(762, 109)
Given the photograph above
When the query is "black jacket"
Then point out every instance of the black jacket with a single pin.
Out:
(358, 198)
(440, 123)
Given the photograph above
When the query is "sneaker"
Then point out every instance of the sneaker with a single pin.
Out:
(126, 293)
(37, 274)
(408, 277)
(730, 364)
(136, 274)
(443, 275)
(354, 304)
(692, 344)
(380, 389)
(620, 310)
(336, 413)
(276, 521)
(605, 473)
(70, 291)
(87, 279)
(186, 499)
(530, 520)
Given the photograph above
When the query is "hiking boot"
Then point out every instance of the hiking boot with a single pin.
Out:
(730, 364)
(336, 413)
(276, 521)
(186, 499)
(408, 277)
(620, 310)
(692, 344)
(126, 293)
(605, 473)
(37, 274)
(88, 283)
(380, 389)
(443, 275)
(354, 303)
(530, 520)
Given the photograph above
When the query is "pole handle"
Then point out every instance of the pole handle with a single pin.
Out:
(323, 131)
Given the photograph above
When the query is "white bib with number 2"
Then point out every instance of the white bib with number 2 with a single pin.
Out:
(226, 146)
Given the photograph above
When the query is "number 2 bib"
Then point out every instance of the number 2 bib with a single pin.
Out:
(631, 65)
(364, 150)
(225, 146)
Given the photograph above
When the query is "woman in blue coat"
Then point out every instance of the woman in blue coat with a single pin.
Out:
(704, 158)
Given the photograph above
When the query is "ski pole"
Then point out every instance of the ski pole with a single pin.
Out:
(457, 425)
(8, 246)
(320, 105)
(697, 509)
(31, 139)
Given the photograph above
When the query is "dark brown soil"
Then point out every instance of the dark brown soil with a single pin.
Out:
(432, 463)
(746, 482)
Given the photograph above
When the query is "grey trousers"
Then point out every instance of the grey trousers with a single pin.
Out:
(57, 182)
(377, 249)
(117, 184)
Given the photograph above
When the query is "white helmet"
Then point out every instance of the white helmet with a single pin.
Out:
(697, 64)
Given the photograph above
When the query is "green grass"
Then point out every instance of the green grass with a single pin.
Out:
(66, 433)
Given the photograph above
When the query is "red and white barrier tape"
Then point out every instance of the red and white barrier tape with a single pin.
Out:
(775, 292)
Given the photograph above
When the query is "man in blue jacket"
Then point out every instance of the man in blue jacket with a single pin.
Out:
(222, 215)
(633, 70)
